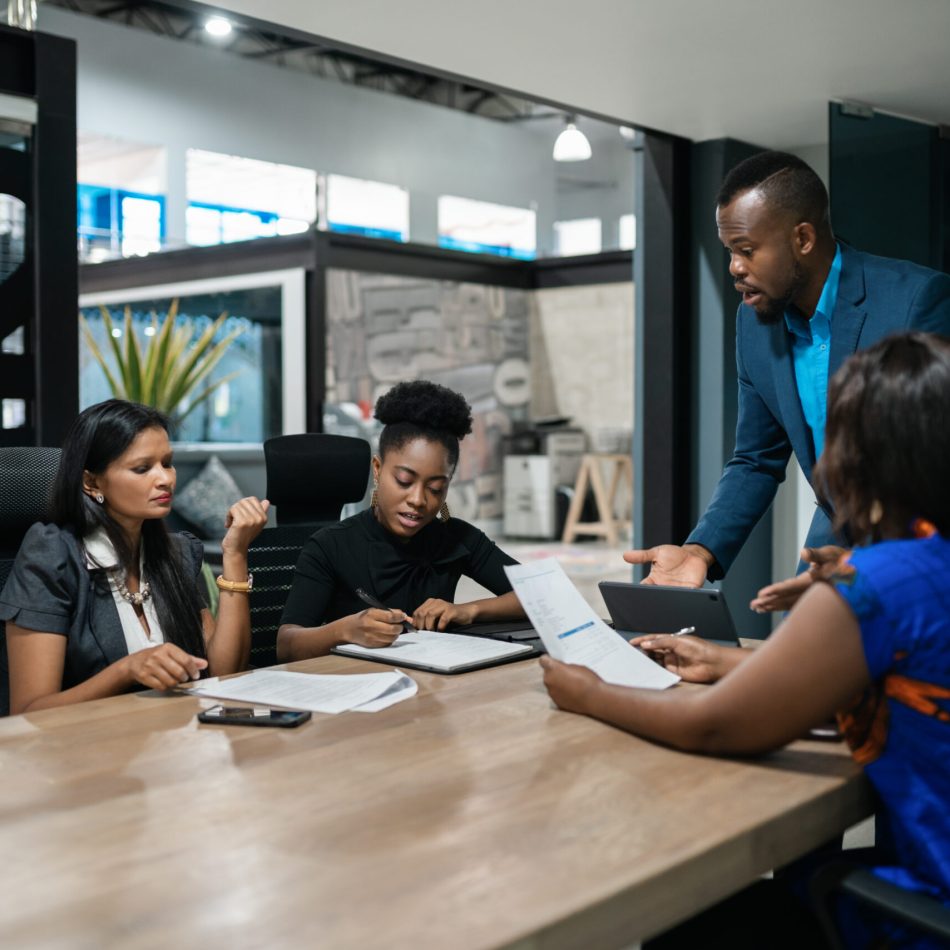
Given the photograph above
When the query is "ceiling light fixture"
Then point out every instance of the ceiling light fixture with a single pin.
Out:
(218, 26)
(571, 145)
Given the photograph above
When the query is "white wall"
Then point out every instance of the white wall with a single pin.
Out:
(582, 356)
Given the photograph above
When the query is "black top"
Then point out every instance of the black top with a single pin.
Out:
(360, 552)
(52, 590)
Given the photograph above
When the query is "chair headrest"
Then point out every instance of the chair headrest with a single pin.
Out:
(310, 477)
(26, 478)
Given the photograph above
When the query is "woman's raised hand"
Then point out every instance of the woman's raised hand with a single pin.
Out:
(244, 522)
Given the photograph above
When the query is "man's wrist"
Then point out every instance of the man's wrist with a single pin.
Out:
(699, 551)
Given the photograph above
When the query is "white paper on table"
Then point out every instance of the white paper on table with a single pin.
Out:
(404, 688)
(573, 633)
(326, 693)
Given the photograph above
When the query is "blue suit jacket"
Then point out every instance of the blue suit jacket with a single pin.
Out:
(877, 296)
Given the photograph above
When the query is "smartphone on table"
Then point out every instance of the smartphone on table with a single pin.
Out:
(253, 716)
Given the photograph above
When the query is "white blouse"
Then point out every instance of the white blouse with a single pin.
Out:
(101, 554)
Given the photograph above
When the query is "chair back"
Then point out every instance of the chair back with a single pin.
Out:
(309, 479)
(272, 559)
(26, 478)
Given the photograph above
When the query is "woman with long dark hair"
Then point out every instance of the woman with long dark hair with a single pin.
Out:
(405, 550)
(103, 599)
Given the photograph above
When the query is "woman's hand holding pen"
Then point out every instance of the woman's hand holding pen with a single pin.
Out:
(374, 627)
(694, 659)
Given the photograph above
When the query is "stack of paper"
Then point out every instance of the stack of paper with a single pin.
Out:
(573, 633)
(367, 692)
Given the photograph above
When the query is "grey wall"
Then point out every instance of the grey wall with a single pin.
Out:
(602, 187)
(154, 90)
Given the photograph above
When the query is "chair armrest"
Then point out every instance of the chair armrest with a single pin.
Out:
(923, 912)
(920, 911)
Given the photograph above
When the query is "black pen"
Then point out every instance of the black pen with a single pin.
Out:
(371, 601)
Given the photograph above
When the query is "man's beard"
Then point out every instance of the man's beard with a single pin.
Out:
(774, 309)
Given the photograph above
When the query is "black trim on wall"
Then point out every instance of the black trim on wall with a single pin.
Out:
(351, 252)
(57, 277)
(662, 455)
(199, 263)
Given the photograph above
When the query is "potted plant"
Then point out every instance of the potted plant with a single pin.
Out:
(172, 367)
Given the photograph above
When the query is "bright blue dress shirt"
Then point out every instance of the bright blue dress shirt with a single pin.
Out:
(811, 347)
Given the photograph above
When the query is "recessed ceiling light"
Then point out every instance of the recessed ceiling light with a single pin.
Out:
(218, 26)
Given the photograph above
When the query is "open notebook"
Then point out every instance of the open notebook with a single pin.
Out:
(441, 652)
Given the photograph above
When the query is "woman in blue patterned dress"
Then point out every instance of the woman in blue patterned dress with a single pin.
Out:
(872, 645)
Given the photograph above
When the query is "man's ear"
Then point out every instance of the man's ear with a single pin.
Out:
(805, 238)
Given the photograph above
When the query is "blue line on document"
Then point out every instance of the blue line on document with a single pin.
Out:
(583, 626)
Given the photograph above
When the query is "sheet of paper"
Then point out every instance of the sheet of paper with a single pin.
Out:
(404, 688)
(573, 633)
(443, 651)
(314, 691)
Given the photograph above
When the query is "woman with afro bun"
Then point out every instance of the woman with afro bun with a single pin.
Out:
(405, 550)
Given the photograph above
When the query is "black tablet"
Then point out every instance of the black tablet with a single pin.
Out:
(647, 608)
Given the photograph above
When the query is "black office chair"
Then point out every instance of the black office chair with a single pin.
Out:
(309, 479)
(923, 914)
(26, 477)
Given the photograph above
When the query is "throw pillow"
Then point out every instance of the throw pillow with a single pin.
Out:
(205, 500)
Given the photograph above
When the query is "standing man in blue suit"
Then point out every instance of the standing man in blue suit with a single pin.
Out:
(808, 303)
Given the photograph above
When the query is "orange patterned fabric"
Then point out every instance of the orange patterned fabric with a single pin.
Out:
(865, 724)
(918, 695)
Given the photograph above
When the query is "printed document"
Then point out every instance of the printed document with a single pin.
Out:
(573, 633)
(324, 693)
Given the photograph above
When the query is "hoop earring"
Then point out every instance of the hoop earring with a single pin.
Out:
(444, 513)
(100, 498)
(876, 514)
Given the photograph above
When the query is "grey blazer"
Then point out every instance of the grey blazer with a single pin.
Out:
(50, 589)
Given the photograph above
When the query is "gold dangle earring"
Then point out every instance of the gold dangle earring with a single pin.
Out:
(374, 498)
(444, 513)
(876, 514)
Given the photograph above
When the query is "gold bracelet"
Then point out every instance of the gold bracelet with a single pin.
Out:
(236, 587)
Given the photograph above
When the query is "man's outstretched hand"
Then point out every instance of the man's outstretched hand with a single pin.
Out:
(673, 565)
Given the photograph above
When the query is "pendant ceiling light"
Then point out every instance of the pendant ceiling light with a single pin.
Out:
(571, 145)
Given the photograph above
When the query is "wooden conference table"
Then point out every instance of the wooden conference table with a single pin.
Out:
(473, 815)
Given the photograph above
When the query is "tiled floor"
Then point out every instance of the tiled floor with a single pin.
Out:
(585, 564)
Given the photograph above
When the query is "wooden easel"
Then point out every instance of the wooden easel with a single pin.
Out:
(591, 473)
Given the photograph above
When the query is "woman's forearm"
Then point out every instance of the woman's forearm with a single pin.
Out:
(229, 645)
(505, 607)
(112, 681)
(300, 643)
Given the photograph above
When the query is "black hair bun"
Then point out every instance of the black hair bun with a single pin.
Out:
(426, 405)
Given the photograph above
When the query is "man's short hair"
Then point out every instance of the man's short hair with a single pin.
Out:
(788, 183)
